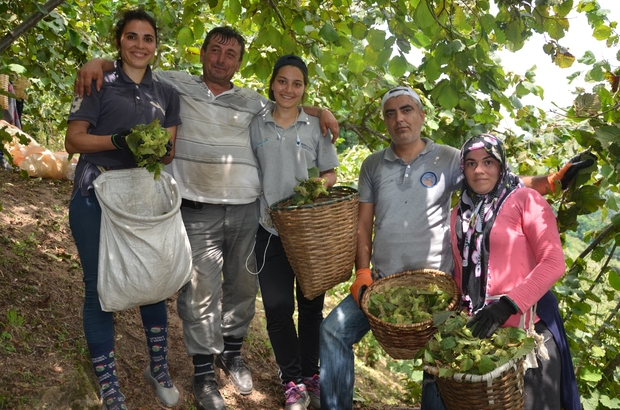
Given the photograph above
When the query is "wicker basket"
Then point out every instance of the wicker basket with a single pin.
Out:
(4, 86)
(501, 389)
(319, 239)
(20, 86)
(402, 341)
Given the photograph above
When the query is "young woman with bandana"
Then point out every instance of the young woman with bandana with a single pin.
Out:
(286, 143)
(508, 255)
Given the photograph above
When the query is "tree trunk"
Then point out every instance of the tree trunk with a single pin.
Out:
(27, 24)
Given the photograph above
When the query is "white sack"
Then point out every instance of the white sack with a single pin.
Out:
(144, 252)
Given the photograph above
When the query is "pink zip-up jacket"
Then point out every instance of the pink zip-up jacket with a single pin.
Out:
(525, 255)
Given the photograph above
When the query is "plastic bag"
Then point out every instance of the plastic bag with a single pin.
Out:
(36, 160)
(144, 252)
(45, 164)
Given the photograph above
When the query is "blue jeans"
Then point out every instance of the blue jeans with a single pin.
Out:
(431, 399)
(345, 325)
(85, 221)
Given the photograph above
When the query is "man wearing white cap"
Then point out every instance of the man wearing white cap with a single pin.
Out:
(405, 192)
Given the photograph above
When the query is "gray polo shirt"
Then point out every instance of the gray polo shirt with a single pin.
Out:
(284, 155)
(412, 207)
(213, 160)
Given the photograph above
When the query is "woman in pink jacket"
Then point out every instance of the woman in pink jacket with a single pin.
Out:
(507, 255)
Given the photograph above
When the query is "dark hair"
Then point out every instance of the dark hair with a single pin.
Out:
(289, 59)
(225, 34)
(131, 15)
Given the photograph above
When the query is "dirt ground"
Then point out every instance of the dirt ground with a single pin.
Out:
(44, 361)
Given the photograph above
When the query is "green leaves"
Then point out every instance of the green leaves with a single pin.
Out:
(148, 142)
(376, 39)
(447, 343)
(328, 33)
(590, 374)
(407, 305)
(614, 280)
(446, 94)
(185, 37)
(309, 190)
(359, 30)
(607, 135)
(17, 68)
(398, 66)
(563, 59)
(587, 198)
(453, 349)
(74, 38)
(486, 364)
(556, 28)
(356, 63)
(602, 32)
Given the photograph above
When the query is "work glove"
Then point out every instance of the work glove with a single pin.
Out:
(569, 171)
(491, 317)
(168, 149)
(363, 279)
(120, 140)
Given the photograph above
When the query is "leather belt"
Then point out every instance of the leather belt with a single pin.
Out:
(191, 204)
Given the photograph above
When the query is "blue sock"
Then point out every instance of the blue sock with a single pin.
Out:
(157, 341)
(102, 358)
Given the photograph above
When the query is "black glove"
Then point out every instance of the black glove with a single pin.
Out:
(491, 317)
(168, 148)
(569, 171)
(120, 140)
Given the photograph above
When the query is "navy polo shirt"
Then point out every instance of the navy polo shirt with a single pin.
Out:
(120, 105)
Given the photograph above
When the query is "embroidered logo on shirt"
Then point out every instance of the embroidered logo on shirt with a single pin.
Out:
(156, 105)
(428, 179)
(263, 142)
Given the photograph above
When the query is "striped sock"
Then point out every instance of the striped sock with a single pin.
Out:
(203, 367)
(232, 347)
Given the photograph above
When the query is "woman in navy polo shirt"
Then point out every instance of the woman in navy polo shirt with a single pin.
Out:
(98, 126)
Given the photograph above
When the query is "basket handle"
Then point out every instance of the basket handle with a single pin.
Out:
(540, 350)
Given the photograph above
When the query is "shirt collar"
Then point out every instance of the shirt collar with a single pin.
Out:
(146, 80)
(303, 117)
(392, 157)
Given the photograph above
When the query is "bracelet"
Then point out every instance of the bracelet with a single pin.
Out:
(320, 112)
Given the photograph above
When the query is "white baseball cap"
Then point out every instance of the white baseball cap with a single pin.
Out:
(397, 91)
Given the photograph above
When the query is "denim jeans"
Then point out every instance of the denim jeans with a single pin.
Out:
(345, 325)
(85, 221)
(431, 400)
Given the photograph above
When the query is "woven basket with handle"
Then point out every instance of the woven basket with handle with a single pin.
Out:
(501, 389)
(402, 341)
(319, 239)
